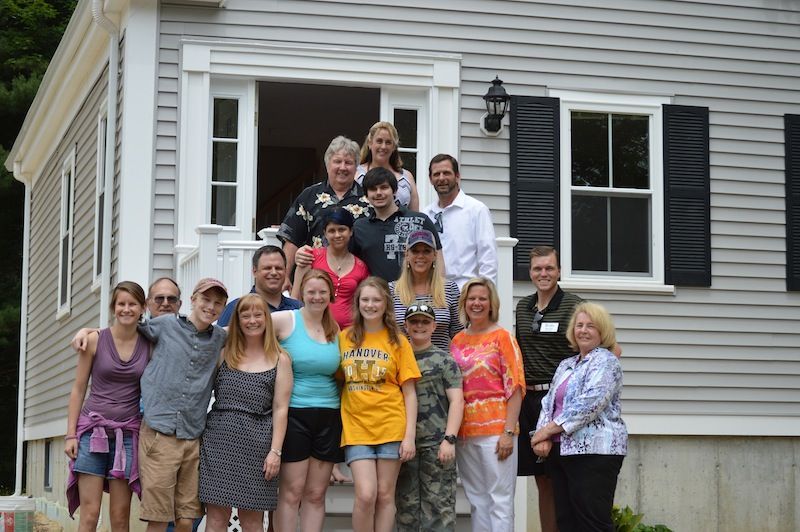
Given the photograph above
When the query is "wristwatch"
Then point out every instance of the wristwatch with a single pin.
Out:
(509, 433)
(450, 438)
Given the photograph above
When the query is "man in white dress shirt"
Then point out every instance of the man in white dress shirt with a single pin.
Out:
(464, 225)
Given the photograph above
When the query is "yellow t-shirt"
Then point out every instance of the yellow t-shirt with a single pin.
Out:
(373, 410)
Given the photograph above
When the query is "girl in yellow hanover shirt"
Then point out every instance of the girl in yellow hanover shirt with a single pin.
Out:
(379, 404)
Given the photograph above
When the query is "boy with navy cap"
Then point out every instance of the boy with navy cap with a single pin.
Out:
(426, 488)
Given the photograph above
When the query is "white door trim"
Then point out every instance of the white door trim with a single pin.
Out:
(203, 62)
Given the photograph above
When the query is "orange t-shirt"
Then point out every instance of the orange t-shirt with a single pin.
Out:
(373, 408)
(491, 366)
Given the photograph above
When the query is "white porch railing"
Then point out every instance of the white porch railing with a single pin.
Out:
(227, 260)
(231, 262)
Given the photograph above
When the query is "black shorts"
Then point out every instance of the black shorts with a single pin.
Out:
(528, 417)
(313, 432)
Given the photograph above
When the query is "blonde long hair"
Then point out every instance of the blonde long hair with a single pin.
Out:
(405, 290)
(356, 332)
(235, 343)
(395, 161)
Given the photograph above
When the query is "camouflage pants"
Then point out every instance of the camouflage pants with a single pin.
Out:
(426, 493)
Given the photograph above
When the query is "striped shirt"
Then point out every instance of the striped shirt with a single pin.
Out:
(447, 323)
(543, 351)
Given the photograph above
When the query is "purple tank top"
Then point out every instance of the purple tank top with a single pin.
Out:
(115, 387)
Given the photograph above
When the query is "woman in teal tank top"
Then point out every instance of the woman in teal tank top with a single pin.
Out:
(313, 435)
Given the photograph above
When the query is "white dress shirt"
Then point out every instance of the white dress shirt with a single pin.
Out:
(467, 236)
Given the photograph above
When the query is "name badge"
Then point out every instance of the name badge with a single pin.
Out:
(549, 326)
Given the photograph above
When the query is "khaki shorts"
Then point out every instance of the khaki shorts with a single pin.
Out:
(169, 474)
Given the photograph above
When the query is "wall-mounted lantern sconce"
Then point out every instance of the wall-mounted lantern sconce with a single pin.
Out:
(496, 106)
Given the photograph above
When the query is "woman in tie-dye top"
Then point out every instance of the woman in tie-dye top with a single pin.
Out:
(494, 384)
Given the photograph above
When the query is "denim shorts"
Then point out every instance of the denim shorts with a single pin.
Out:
(384, 451)
(101, 464)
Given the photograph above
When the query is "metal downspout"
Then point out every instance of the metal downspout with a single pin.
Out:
(23, 338)
(104, 22)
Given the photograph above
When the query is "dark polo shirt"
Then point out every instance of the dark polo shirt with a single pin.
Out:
(544, 350)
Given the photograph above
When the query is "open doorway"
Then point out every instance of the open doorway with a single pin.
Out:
(296, 122)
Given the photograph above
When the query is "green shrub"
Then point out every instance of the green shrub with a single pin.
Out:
(626, 521)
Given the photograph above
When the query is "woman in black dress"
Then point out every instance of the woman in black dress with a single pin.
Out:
(240, 451)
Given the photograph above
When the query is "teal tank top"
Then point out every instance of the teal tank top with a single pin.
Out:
(313, 366)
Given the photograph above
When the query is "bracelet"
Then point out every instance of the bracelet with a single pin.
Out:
(73, 437)
(276, 451)
(508, 432)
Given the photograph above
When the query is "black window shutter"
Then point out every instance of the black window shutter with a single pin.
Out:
(687, 191)
(792, 146)
(535, 164)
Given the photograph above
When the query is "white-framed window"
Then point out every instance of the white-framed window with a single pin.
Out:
(611, 190)
(408, 111)
(99, 199)
(225, 159)
(65, 234)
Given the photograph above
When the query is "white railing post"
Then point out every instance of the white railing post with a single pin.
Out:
(505, 279)
(505, 289)
(207, 245)
(270, 236)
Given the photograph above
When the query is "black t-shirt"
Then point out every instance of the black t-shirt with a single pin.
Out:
(381, 244)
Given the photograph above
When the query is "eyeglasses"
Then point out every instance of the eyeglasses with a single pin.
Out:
(419, 308)
(172, 300)
(437, 222)
(537, 321)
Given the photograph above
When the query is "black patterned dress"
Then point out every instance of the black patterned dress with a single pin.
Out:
(236, 440)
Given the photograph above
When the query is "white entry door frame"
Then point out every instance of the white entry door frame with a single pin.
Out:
(428, 82)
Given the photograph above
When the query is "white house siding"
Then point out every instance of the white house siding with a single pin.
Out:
(50, 362)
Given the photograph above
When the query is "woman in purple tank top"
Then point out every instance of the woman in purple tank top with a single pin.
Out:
(102, 432)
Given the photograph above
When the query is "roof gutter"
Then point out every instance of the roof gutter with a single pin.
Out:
(106, 24)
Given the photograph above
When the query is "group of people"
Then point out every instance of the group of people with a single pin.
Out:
(387, 356)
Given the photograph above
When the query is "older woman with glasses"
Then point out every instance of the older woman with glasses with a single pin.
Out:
(580, 429)
(421, 282)
(491, 365)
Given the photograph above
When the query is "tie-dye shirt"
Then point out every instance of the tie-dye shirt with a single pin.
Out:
(491, 366)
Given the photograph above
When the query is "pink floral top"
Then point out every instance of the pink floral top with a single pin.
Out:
(491, 365)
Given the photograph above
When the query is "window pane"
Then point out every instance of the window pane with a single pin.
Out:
(589, 149)
(65, 266)
(223, 205)
(629, 151)
(630, 235)
(410, 162)
(98, 267)
(589, 233)
(224, 162)
(405, 121)
(226, 118)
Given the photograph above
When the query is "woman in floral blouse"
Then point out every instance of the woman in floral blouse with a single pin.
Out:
(580, 428)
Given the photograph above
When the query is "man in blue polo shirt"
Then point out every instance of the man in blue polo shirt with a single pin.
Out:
(269, 274)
